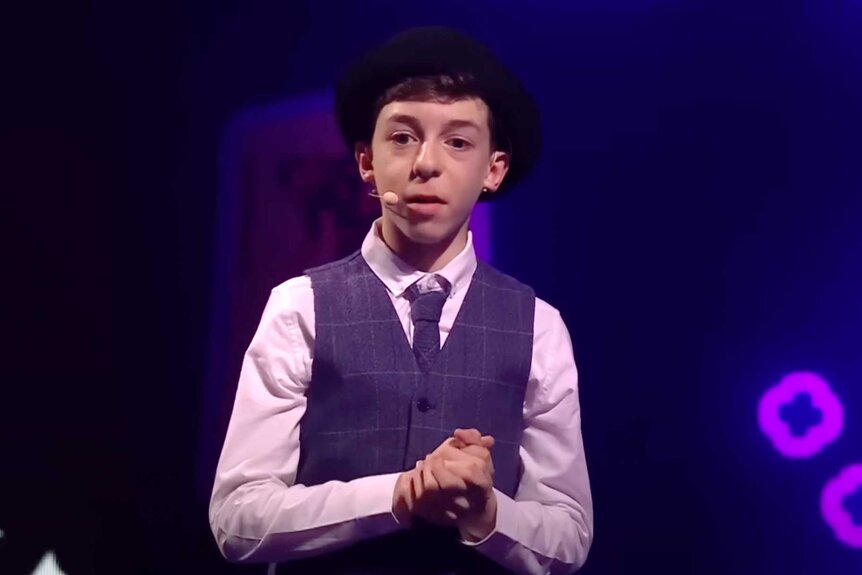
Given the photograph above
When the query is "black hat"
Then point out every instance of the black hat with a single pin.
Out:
(439, 50)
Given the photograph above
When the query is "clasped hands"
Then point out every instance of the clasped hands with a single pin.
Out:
(452, 486)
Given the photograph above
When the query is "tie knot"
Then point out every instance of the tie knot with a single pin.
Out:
(428, 305)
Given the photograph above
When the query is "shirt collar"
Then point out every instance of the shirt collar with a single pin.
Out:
(398, 276)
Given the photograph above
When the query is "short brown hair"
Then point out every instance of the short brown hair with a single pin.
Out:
(443, 88)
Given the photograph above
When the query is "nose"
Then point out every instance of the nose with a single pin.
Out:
(426, 165)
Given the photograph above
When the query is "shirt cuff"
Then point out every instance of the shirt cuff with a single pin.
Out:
(506, 510)
(374, 496)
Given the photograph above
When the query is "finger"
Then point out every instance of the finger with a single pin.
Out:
(484, 456)
(479, 490)
(453, 493)
(460, 504)
(407, 492)
(474, 451)
(477, 451)
(447, 480)
(473, 437)
(468, 436)
(452, 442)
(452, 453)
(416, 482)
(428, 480)
(471, 474)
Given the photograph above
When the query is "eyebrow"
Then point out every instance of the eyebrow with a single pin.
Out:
(414, 122)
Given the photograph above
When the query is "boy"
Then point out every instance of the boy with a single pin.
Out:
(409, 409)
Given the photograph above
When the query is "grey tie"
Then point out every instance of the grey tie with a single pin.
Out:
(425, 309)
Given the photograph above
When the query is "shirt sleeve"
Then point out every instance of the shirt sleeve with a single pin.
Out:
(548, 526)
(258, 513)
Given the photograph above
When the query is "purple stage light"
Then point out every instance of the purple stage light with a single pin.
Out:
(839, 504)
(801, 415)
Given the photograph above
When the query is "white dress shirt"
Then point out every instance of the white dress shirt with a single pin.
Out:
(259, 513)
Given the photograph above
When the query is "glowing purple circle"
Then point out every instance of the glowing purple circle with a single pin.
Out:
(847, 482)
(816, 437)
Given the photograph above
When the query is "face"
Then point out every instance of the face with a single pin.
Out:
(436, 157)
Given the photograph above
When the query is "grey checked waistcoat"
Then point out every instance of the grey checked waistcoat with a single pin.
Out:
(371, 410)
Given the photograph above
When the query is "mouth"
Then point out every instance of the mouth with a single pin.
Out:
(424, 206)
(421, 199)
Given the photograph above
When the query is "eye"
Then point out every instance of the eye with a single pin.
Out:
(459, 143)
(401, 138)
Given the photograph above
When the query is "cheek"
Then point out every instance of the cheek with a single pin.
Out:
(388, 165)
(472, 175)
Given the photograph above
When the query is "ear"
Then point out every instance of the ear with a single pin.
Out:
(496, 171)
(362, 153)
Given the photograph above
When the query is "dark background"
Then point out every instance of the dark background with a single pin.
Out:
(696, 217)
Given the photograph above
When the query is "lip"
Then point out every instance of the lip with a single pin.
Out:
(424, 199)
(425, 208)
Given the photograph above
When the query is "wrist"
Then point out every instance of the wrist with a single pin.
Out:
(477, 526)
(400, 507)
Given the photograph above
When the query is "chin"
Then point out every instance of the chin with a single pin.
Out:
(428, 232)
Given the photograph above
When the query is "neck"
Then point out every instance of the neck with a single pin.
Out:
(423, 257)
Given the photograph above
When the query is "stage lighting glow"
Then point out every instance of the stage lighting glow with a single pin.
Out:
(801, 415)
(841, 505)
